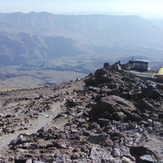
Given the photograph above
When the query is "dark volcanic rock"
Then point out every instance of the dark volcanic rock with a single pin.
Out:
(113, 106)
(144, 154)
(98, 138)
(101, 76)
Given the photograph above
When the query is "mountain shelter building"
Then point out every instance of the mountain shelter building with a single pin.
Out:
(141, 65)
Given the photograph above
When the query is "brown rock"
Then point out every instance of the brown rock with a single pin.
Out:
(119, 115)
(116, 152)
(143, 104)
(98, 138)
(75, 156)
(140, 153)
(111, 104)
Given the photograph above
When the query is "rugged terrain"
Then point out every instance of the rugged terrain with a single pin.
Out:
(18, 77)
(40, 48)
(109, 116)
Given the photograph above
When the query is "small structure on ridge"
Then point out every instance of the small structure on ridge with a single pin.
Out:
(159, 74)
(141, 65)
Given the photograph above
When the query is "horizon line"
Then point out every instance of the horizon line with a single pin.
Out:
(146, 15)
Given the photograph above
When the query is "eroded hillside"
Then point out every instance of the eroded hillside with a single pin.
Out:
(109, 116)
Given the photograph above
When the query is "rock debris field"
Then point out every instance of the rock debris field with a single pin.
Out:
(109, 116)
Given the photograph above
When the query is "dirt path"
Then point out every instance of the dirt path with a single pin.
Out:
(43, 120)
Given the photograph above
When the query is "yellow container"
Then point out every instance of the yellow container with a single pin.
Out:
(159, 75)
(160, 71)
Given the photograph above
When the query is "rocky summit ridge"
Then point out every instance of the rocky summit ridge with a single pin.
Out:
(109, 116)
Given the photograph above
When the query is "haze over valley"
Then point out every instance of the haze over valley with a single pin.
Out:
(72, 44)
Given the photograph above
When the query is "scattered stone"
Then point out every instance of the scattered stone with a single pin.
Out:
(75, 156)
(126, 160)
(38, 162)
(107, 119)
(29, 161)
(141, 152)
(112, 104)
(98, 138)
(116, 152)
(119, 116)
(71, 102)
(147, 158)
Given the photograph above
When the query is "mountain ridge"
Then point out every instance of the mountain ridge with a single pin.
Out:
(107, 37)
(77, 26)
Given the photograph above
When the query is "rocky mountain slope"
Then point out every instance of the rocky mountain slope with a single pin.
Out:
(108, 116)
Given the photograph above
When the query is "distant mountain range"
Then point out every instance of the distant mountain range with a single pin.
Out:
(44, 36)
(22, 48)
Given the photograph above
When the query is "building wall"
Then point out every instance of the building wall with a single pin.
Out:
(141, 66)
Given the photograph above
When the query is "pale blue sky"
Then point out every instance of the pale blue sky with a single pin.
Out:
(150, 7)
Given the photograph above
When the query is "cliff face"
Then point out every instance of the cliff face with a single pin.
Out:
(109, 116)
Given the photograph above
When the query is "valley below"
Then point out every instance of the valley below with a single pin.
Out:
(55, 72)
(11, 78)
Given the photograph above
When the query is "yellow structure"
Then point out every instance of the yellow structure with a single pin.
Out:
(160, 71)
(159, 74)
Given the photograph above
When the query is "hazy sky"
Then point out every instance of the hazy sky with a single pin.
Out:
(144, 7)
